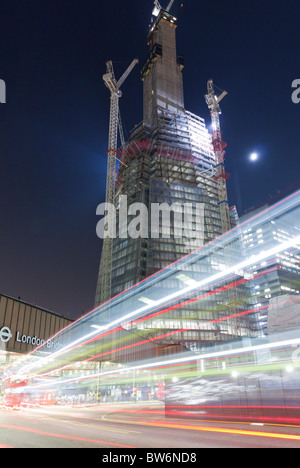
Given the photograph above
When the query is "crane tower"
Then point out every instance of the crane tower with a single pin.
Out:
(213, 102)
(103, 292)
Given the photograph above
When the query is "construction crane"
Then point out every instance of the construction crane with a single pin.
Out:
(213, 102)
(103, 292)
(158, 7)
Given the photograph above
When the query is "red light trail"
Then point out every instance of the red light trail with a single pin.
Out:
(62, 436)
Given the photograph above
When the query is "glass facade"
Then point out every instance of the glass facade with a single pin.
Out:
(276, 287)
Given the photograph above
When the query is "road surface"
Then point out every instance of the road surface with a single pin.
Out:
(132, 426)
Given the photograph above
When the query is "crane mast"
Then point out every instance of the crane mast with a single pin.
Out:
(105, 273)
(213, 102)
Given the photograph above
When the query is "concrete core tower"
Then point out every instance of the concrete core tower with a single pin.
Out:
(162, 72)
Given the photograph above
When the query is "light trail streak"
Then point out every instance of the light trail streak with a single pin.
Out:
(79, 342)
(178, 360)
(219, 430)
(242, 417)
(150, 340)
(221, 289)
(174, 332)
(174, 307)
(272, 421)
(62, 436)
(211, 417)
(241, 265)
(163, 305)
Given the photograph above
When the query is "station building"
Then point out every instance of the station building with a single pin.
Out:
(24, 326)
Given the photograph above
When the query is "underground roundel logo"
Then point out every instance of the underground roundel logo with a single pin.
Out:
(5, 334)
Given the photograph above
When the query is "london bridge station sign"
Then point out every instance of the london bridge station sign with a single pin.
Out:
(25, 326)
(6, 336)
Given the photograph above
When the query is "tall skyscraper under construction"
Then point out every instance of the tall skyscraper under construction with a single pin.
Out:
(168, 159)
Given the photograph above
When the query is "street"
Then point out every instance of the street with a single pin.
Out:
(133, 426)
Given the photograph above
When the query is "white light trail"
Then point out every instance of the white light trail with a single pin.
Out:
(253, 260)
(178, 360)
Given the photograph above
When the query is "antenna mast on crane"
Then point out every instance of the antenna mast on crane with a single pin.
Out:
(104, 280)
(213, 102)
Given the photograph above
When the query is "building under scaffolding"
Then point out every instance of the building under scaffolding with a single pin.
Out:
(169, 159)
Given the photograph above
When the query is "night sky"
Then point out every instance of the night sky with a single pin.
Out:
(54, 126)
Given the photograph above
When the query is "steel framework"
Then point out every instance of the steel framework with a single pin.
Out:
(103, 292)
(213, 102)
